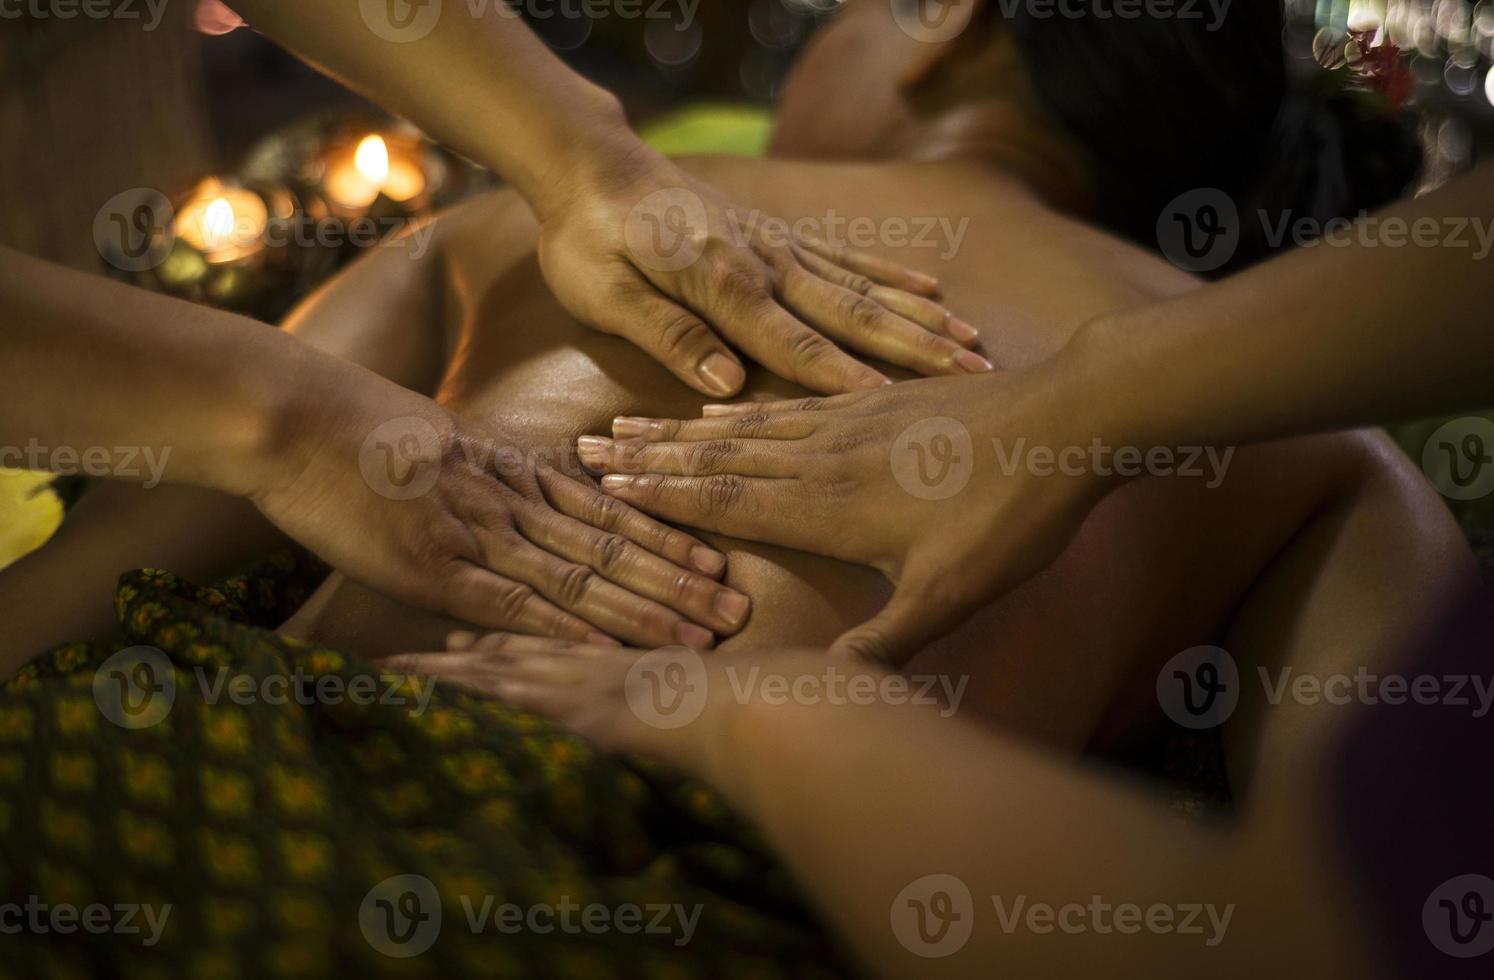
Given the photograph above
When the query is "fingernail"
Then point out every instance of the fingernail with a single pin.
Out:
(872, 380)
(973, 362)
(616, 481)
(697, 637)
(601, 640)
(460, 639)
(721, 374)
(708, 561)
(732, 606)
(593, 449)
(926, 282)
(962, 331)
(715, 411)
(626, 427)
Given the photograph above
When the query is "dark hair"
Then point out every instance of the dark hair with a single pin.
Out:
(1164, 105)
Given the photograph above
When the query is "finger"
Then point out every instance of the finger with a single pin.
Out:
(927, 314)
(883, 271)
(485, 598)
(915, 616)
(576, 499)
(747, 457)
(816, 404)
(747, 425)
(678, 339)
(517, 646)
(795, 351)
(580, 589)
(638, 573)
(864, 325)
(920, 309)
(737, 505)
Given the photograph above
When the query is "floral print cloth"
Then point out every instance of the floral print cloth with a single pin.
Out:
(186, 808)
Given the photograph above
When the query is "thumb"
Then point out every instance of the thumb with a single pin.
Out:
(908, 622)
(677, 339)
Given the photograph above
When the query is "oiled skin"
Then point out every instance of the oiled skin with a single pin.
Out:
(1163, 565)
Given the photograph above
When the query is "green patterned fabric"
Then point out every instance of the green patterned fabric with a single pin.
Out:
(272, 829)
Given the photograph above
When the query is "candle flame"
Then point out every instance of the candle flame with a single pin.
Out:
(217, 223)
(372, 159)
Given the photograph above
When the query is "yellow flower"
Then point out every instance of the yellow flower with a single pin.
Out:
(229, 857)
(73, 770)
(77, 716)
(226, 792)
(146, 777)
(305, 856)
(298, 793)
(146, 841)
(16, 723)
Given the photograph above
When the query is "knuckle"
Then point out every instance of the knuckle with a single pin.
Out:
(680, 331)
(513, 599)
(710, 457)
(858, 284)
(809, 349)
(605, 512)
(611, 553)
(748, 426)
(809, 405)
(719, 494)
(574, 583)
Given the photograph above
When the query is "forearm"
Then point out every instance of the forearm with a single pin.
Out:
(1325, 337)
(861, 801)
(481, 82)
(106, 375)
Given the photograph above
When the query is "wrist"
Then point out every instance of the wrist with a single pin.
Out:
(597, 154)
(1098, 393)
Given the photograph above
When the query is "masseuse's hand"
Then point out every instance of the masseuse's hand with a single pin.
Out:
(907, 479)
(648, 253)
(667, 703)
(442, 513)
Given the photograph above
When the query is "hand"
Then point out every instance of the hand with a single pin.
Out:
(604, 693)
(655, 255)
(444, 514)
(904, 479)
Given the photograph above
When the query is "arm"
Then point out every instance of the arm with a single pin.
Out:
(1318, 338)
(863, 797)
(630, 243)
(383, 483)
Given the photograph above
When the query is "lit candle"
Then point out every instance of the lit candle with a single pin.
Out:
(356, 177)
(224, 224)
